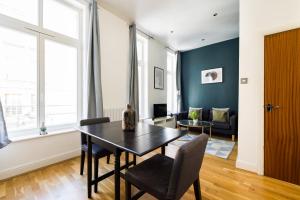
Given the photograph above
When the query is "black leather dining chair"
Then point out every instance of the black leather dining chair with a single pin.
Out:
(97, 151)
(166, 178)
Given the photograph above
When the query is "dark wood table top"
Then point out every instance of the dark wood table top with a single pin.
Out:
(143, 140)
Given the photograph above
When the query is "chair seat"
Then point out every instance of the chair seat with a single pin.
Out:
(97, 151)
(152, 175)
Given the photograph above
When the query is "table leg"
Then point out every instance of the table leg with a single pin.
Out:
(202, 129)
(127, 159)
(163, 150)
(117, 174)
(210, 132)
(89, 167)
(134, 159)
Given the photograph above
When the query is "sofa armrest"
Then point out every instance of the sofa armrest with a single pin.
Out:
(233, 122)
(180, 116)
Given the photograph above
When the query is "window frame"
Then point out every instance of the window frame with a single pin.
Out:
(41, 35)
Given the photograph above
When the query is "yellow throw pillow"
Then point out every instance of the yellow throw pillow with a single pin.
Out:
(219, 115)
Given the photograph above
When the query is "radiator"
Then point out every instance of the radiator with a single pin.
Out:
(115, 114)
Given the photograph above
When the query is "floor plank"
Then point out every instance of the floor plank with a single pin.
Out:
(219, 180)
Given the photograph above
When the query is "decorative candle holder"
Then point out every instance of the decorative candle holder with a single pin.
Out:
(128, 119)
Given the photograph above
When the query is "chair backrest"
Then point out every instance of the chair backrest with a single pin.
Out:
(86, 122)
(186, 166)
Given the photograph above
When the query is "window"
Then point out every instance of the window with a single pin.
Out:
(60, 96)
(171, 83)
(40, 59)
(142, 53)
(66, 18)
(18, 84)
(24, 10)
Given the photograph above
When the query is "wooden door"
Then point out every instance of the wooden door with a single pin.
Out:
(282, 106)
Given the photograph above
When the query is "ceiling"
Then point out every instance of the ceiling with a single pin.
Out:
(192, 21)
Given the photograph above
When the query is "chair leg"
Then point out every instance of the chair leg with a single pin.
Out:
(127, 190)
(108, 159)
(96, 167)
(82, 159)
(232, 137)
(197, 189)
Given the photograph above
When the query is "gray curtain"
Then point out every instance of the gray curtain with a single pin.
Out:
(95, 101)
(178, 82)
(133, 72)
(3, 132)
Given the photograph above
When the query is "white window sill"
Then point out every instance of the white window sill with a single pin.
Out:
(37, 136)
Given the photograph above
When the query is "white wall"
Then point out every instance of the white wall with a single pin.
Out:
(26, 155)
(114, 60)
(157, 57)
(257, 18)
(115, 63)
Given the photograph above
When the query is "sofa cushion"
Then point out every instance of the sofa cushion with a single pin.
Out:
(220, 114)
(221, 125)
(198, 113)
(206, 115)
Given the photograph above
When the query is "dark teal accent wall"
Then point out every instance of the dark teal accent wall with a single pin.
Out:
(224, 54)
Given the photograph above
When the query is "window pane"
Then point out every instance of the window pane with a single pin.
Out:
(61, 18)
(169, 62)
(18, 79)
(60, 84)
(169, 92)
(25, 10)
(139, 51)
(141, 113)
(171, 82)
(174, 95)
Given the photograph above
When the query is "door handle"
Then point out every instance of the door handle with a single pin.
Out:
(270, 107)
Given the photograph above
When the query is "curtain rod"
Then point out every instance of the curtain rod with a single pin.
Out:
(144, 33)
(169, 48)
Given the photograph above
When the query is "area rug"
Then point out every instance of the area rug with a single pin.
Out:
(215, 147)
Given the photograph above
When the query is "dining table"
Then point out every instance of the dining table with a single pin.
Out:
(140, 141)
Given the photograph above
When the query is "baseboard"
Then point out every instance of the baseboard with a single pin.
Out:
(246, 166)
(30, 166)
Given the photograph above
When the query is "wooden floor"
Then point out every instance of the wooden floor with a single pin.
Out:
(219, 180)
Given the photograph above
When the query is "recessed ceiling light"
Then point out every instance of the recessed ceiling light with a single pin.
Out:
(215, 14)
(172, 32)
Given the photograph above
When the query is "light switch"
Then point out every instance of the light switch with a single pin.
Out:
(244, 80)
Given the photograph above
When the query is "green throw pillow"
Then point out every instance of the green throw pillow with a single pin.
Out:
(220, 114)
(197, 110)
